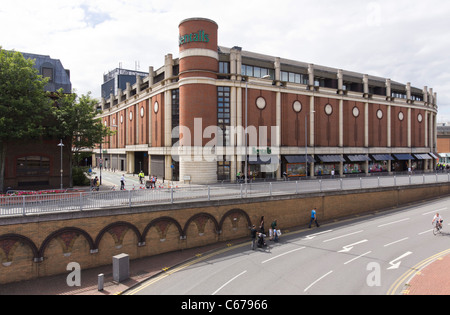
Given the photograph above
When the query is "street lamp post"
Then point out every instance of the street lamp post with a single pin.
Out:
(61, 145)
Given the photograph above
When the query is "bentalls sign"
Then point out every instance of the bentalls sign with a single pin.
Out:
(200, 36)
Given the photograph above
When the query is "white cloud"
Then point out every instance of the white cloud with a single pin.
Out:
(407, 41)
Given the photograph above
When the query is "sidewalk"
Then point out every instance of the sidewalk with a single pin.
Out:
(432, 280)
(140, 270)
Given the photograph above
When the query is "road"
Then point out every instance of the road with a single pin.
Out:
(364, 256)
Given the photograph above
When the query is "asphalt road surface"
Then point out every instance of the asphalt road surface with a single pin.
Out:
(364, 256)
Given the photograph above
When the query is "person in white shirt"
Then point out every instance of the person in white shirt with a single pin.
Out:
(438, 219)
(122, 182)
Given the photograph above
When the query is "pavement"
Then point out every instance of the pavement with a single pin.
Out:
(432, 280)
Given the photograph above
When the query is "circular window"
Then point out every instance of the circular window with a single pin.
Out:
(297, 106)
(401, 116)
(261, 103)
(156, 107)
(380, 114)
(355, 111)
(142, 111)
(420, 118)
(328, 109)
(131, 116)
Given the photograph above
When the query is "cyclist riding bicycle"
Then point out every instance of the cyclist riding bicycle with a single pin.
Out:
(438, 219)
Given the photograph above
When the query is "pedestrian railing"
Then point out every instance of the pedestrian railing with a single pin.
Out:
(89, 201)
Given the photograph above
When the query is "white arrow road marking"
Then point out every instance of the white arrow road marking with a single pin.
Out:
(395, 264)
(348, 248)
(310, 237)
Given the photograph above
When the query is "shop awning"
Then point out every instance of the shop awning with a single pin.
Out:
(358, 158)
(382, 157)
(295, 159)
(331, 158)
(404, 157)
(423, 157)
(435, 155)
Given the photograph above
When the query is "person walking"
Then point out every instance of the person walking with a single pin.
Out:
(272, 231)
(261, 225)
(313, 218)
(253, 233)
(122, 182)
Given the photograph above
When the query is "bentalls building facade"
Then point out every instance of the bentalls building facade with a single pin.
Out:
(189, 119)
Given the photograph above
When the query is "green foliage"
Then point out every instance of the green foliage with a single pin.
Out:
(24, 104)
(79, 176)
(76, 120)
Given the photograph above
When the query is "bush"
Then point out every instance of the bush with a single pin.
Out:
(79, 176)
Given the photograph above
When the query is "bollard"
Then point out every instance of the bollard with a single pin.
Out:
(101, 281)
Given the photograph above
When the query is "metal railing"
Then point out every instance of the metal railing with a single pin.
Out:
(89, 201)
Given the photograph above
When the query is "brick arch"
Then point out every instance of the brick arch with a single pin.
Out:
(234, 211)
(113, 225)
(23, 239)
(161, 220)
(198, 216)
(62, 232)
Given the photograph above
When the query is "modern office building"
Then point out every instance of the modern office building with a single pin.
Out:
(188, 119)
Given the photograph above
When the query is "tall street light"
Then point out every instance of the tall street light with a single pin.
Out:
(61, 145)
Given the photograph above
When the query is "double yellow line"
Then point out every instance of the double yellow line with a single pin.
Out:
(415, 270)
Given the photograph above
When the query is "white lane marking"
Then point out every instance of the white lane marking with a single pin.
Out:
(435, 211)
(403, 239)
(428, 231)
(336, 238)
(315, 282)
(229, 282)
(292, 251)
(394, 222)
(352, 260)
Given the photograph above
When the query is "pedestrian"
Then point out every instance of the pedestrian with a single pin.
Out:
(272, 230)
(253, 232)
(313, 218)
(261, 225)
(122, 182)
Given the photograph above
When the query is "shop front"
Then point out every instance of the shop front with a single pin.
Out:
(380, 163)
(328, 164)
(295, 165)
(355, 164)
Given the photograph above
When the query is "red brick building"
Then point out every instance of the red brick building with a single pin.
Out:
(187, 119)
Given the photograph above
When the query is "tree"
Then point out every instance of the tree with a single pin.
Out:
(76, 122)
(24, 104)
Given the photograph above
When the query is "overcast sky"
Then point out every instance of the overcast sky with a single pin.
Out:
(405, 40)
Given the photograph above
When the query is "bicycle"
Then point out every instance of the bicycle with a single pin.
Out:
(437, 228)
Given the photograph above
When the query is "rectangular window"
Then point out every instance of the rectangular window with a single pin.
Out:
(175, 112)
(47, 73)
(33, 166)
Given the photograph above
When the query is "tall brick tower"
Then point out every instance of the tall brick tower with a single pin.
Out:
(199, 65)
